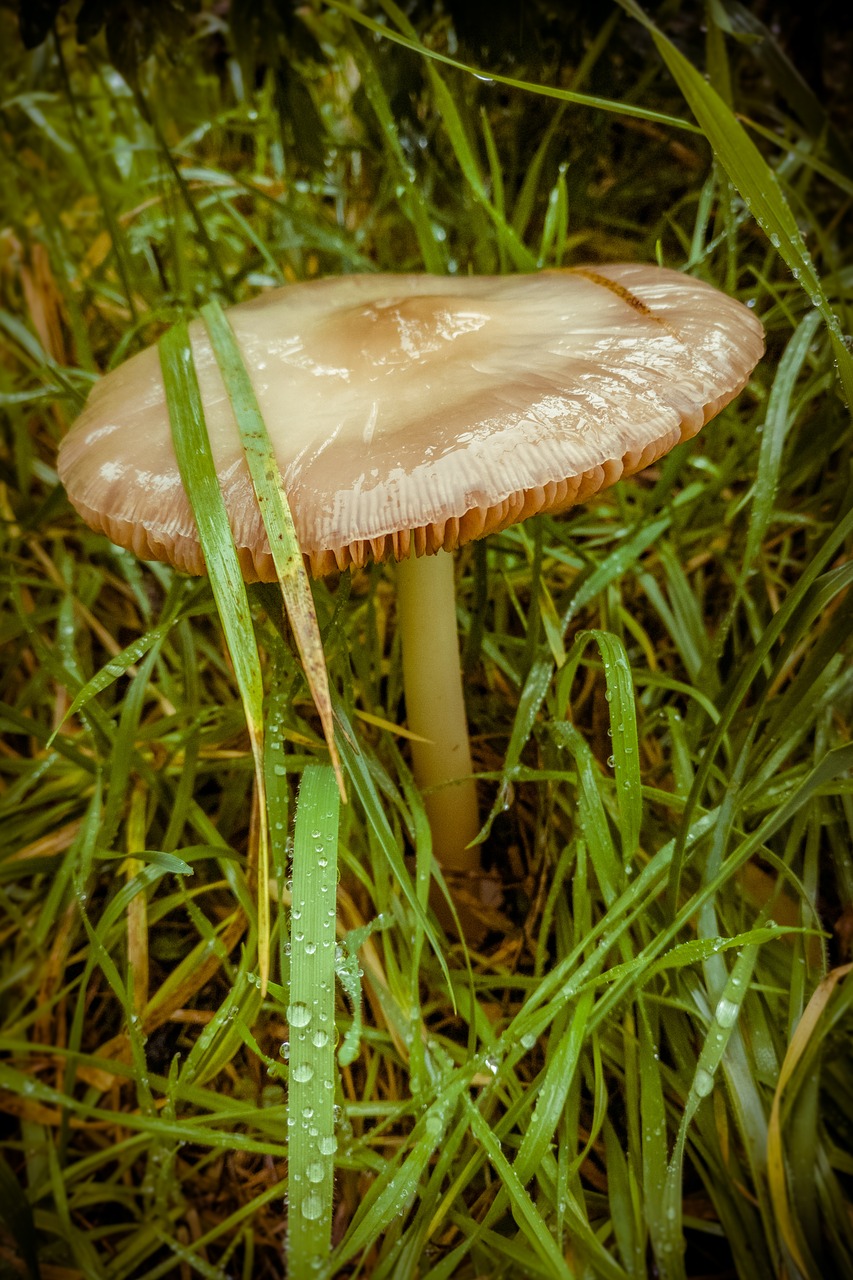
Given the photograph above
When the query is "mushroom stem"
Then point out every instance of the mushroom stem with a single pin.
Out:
(435, 706)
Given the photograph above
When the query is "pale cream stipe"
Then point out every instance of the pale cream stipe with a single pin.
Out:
(435, 705)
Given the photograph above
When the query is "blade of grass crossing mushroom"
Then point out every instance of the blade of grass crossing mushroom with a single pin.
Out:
(195, 462)
(284, 544)
(311, 1016)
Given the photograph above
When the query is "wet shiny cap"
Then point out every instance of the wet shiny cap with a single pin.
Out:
(414, 412)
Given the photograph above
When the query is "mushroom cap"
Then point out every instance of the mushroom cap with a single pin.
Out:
(415, 412)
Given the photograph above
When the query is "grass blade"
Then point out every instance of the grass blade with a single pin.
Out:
(545, 90)
(778, 421)
(522, 258)
(278, 522)
(311, 1015)
(538, 1236)
(806, 1028)
(198, 473)
(755, 181)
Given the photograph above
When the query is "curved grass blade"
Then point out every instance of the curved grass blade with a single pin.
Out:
(527, 1215)
(775, 1152)
(592, 817)
(811, 594)
(118, 666)
(195, 462)
(454, 124)
(551, 1101)
(669, 1241)
(544, 90)
(623, 727)
(755, 181)
(412, 201)
(278, 522)
(779, 418)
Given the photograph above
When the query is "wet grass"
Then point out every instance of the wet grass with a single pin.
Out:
(644, 1067)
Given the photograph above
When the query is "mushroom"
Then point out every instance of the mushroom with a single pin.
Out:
(409, 415)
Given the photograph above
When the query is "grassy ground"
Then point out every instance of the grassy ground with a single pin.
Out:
(645, 1067)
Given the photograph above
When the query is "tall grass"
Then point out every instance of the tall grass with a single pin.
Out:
(644, 1066)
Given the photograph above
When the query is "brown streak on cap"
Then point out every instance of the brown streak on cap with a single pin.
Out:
(621, 292)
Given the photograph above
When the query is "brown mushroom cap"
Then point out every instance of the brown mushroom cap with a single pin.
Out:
(419, 411)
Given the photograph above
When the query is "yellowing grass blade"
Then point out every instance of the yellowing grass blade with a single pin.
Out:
(776, 1173)
(198, 473)
(278, 521)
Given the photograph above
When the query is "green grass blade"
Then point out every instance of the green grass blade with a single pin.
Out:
(198, 473)
(669, 1243)
(116, 667)
(544, 90)
(311, 1015)
(451, 117)
(778, 420)
(556, 1082)
(412, 199)
(755, 181)
(535, 1231)
(592, 816)
(619, 695)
